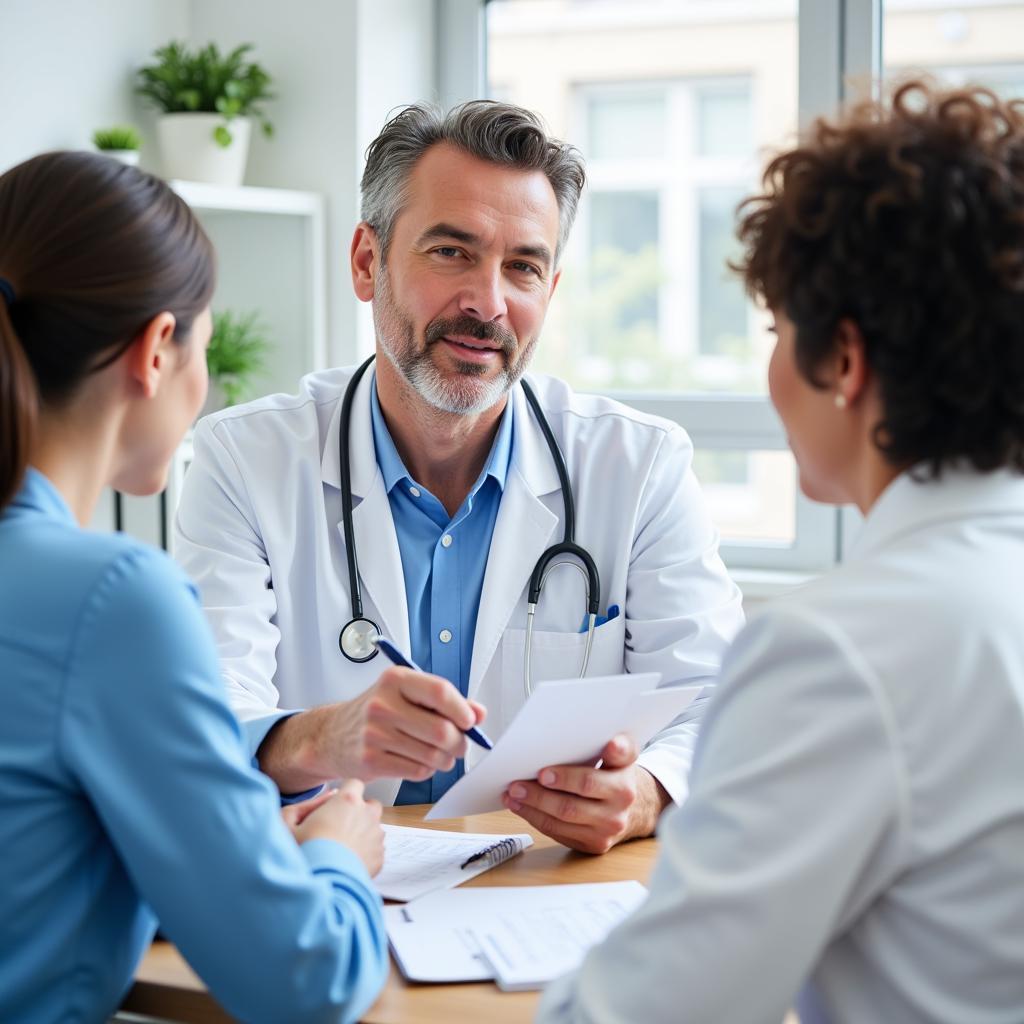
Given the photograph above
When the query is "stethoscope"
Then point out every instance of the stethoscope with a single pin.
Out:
(356, 639)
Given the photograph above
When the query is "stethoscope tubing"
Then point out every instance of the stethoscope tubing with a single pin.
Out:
(568, 545)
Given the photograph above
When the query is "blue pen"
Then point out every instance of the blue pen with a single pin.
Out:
(396, 657)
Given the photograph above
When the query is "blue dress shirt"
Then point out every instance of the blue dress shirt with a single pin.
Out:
(125, 792)
(443, 562)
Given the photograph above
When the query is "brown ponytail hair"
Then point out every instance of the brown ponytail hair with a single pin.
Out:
(92, 250)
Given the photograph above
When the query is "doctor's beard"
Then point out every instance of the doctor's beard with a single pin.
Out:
(467, 392)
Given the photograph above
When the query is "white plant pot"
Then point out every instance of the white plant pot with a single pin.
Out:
(126, 156)
(189, 151)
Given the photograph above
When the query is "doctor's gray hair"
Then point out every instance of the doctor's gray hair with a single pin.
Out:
(499, 133)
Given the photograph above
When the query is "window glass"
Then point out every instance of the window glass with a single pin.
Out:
(722, 303)
(672, 105)
(751, 494)
(723, 122)
(626, 127)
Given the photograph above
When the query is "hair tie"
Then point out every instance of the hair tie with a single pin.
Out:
(7, 290)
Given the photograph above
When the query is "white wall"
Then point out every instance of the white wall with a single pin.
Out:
(309, 48)
(67, 67)
(339, 67)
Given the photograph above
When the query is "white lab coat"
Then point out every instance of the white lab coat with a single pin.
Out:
(259, 530)
(856, 814)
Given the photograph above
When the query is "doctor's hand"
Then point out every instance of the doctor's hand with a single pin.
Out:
(343, 816)
(592, 809)
(407, 725)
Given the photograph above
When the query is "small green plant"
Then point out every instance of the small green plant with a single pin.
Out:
(121, 136)
(238, 345)
(207, 81)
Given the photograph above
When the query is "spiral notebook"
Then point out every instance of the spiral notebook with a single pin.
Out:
(422, 860)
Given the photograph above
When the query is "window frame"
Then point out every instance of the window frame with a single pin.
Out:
(839, 42)
(678, 177)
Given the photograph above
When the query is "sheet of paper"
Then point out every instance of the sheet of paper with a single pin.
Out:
(419, 860)
(565, 722)
(529, 947)
(434, 952)
(434, 939)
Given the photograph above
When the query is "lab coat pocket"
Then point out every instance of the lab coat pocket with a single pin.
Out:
(557, 656)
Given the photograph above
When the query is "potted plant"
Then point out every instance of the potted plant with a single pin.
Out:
(208, 100)
(237, 354)
(121, 142)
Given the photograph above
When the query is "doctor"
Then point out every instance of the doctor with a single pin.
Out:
(453, 492)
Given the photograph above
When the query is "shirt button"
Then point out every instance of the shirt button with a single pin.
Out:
(446, 540)
(414, 491)
(444, 636)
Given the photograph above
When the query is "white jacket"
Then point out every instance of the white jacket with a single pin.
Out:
(856, 814)
(259, 530)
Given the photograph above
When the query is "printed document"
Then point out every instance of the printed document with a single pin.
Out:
(521, 936)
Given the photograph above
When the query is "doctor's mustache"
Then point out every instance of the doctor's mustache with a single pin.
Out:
(473, 328)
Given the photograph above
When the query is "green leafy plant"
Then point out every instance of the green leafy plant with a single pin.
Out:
(121, 136)
(207, 81)
(238, 346)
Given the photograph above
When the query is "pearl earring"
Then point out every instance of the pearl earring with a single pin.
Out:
(840, 400)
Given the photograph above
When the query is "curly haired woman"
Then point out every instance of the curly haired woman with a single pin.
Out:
(869, 866)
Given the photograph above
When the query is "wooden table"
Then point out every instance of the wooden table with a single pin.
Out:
(166, 988)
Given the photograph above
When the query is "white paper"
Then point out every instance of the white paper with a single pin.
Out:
(434, 939)
(419, 860)
(434, 952)
(529, 947)
(565, 722)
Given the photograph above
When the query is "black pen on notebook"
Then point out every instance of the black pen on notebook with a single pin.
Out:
(396, 657)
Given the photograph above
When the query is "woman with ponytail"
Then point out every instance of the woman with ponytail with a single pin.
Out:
(125, 794)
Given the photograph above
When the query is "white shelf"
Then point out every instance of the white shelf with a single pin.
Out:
(248, 199)
(272, 258)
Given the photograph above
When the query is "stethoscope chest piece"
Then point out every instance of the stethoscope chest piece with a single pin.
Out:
(356, 640)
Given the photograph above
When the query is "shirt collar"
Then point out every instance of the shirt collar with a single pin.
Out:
(909, 503)
(393, 469)
(37, 494)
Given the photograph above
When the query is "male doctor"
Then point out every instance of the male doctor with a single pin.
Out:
(454, 495)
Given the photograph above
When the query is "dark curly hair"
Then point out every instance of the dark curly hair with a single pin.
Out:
(907, 217)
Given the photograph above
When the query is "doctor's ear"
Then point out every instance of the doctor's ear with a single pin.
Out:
(152, 354)
(365, 260)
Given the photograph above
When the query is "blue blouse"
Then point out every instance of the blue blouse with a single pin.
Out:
(126, 796)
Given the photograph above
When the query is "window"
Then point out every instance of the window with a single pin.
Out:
(671, 104)
(675, 104)
(654, 307)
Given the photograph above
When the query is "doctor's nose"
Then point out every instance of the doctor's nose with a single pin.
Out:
(483, 296)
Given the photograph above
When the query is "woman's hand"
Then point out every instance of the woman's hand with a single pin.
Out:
(343, 816)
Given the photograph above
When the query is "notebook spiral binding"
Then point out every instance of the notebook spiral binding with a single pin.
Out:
(501, 851)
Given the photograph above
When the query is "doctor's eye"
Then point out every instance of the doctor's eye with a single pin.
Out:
(447, 252)
(526, 268)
